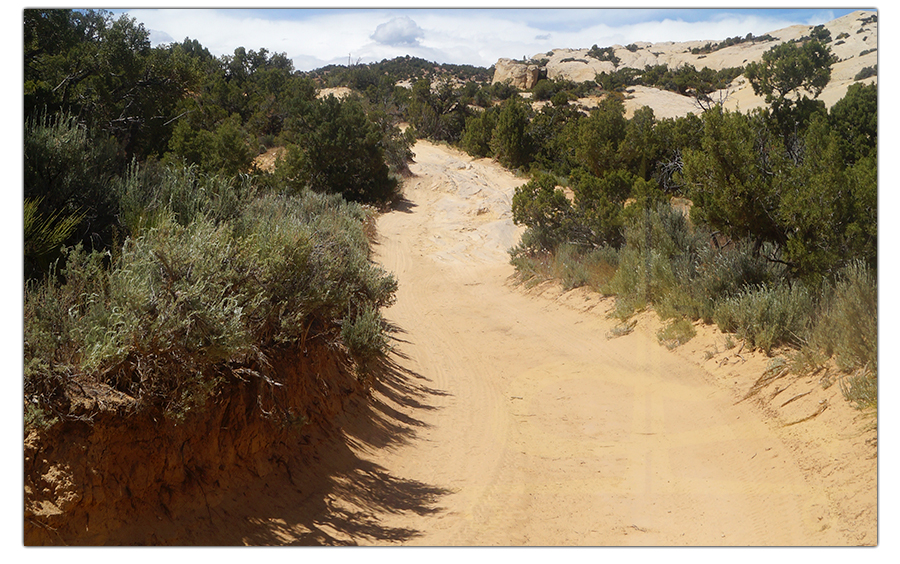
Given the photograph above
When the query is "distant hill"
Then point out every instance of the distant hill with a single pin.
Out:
(399, 69)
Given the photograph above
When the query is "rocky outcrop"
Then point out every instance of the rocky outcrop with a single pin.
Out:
(854, 40)
(576, 65)
(520, 75)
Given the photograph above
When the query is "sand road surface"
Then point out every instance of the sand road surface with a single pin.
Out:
(524, 424)
(509, 417)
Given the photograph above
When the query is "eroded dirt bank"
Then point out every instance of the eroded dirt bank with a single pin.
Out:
(110, 477)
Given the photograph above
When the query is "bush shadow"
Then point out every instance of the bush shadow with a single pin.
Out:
(326, 493)
(403, 205)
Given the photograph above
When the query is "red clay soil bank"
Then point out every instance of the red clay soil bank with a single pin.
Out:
(127, 478)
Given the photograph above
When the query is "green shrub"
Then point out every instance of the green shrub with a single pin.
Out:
(676, 333)
(69, 172)
(604, 54)
(225, 148)
(657, 237)
(600, 265)
(364, 334)
(544, 209)
(570, 264)
(861, 389)
(181, 305)
(37, 418)
(847, 326)
(341, 151)
(510, 141)
(710, 274)
(544, 89)
(768, 316)
(532, 267)
(44, 236)
(148, 192)
(577, 268)
(476, 138)
(866, 73)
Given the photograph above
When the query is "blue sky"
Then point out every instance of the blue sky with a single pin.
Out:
(317, 37)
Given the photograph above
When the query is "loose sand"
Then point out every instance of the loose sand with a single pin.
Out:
(511, 418)
(538, 429)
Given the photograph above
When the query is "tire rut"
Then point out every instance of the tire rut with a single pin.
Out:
(546, 432)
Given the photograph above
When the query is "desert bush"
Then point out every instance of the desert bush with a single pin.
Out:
(532, 268)
(866, 73)
(575, 267)
(182, 306)
(339, 279)
(69, 171)
(677, 332)
(364, 334)
(766, 316)
(599, 266)
(510, 141)
(49, 344)
(148, 192)
(502, 91)
(657, 238)
(856, 117)
(861, 389)
(847, 324)
(571, 264)
(476, 137)
(341, 151)
(710, 274)
(44, 236)
(541, 206)
(604, 54)
(224, 149)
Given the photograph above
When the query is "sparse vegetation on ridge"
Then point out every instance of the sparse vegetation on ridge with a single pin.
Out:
(736, 40)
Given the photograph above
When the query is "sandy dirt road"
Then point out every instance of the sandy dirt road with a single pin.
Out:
(523, 424)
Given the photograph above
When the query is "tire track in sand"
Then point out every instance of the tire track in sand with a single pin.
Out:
(545, 432)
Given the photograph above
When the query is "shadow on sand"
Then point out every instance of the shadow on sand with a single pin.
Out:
(329, 494)
(403, 205)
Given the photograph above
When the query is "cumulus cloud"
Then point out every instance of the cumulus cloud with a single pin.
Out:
(157, 37)
(398, 31)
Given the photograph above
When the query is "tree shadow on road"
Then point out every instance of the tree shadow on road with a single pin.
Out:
(403, 205)
(328, 492)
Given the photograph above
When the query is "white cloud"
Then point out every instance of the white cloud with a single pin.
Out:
(398, 31)
(157, 37)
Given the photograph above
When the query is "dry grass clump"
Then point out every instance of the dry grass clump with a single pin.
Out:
(677, 332)
(767, 316)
